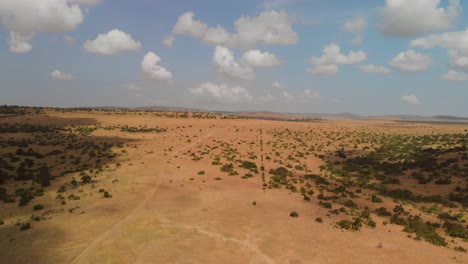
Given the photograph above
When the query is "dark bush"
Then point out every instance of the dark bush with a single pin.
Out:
(38, 207)
(294, 214)
(25, 226)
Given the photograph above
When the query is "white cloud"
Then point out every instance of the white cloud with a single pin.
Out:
(332, 55)
(112, 43)
(19, 42)
(450, 40)
(289, 97)
(327, 64)
(456, 76)
(356, 25)
(277, 85)
(408, 18)
(456, 44)
(58, 75)
(24, 18)
(268, 28)
(311, 95)
(224, 62)
(168, 41)
(186, 25)
(69, 39)
(85, 2)
(411, 99)
(256, 58)
(151, 69)
(224, 93)
(266, 98)
(374, 69)
(410, 61)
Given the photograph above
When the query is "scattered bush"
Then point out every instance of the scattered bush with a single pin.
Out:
(38, 207)
(25, 226)
(382, 211)
(294, 214)
(62, 189)
(460, 248)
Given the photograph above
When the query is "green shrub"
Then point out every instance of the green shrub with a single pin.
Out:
(456, 230)
(294, 214)
(327, 205)
(107, 195)
(382, 211)
(86, 179)
(350, 204)
(25, 226)
(62, 189)
(73, 197)
(319, 220)
(38, 207)
(376, 199)
(460, 248)
(425, 230)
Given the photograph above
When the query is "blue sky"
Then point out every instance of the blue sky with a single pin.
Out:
(328, 56)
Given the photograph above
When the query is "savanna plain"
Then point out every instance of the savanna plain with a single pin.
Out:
(133, 186)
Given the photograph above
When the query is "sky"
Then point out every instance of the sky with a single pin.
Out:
(367, 57)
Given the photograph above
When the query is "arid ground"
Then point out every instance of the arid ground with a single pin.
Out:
(114, 186)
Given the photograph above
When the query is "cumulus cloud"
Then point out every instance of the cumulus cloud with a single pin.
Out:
(327, 64)
(256, 58)
(356, 25)
(268, 28)
(25, 18)
(225, 63)
(410, 61)
(311, 95)
(277, 85)
(456, 76)
(288, 97)
(223, 92)
(450, 40)
(19, 42)
(456, 44)
(59, 75)
(151, 68)
(411, 18)
(168, 41)
(112, 43)
(266, 98)
(411, 99)
(244, 68)
(374, 69)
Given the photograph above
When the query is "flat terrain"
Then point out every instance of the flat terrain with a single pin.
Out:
(163, 187)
